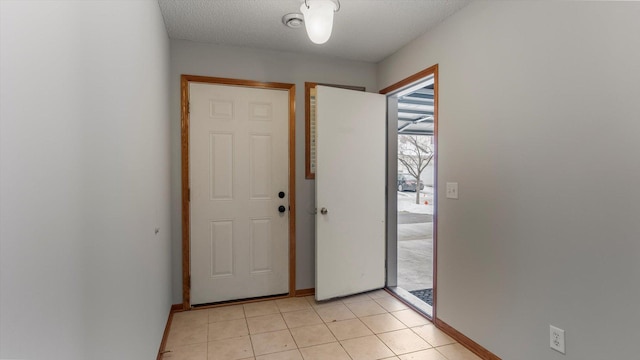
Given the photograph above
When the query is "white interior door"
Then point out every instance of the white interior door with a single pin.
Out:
(350, 186)
(239, 163)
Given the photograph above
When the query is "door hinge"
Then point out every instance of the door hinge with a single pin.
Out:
(189, 195)
(188, 107)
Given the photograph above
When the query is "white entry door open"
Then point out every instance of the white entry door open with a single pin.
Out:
(350, 192)
(239, 163)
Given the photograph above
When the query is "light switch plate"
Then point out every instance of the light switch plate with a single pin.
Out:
(452, 190)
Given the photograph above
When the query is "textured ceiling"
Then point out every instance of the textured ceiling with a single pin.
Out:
(365, 30)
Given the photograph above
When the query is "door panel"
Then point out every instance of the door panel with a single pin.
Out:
(350, 185)
(239, 162)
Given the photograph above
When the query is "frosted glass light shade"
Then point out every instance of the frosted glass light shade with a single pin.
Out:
(318, 19)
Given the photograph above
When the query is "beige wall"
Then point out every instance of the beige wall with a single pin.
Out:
(539, 125)
(260, 65)
(84, 180)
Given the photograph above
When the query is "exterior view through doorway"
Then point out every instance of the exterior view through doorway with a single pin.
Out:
(412, 190)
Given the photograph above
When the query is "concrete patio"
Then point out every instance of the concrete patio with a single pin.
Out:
(415, 241)
(415, 256)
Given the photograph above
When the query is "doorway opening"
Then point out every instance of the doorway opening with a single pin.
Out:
(411, 202)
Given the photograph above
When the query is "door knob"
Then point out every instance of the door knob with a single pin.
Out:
(324, 211)
(281, 208)
(281, 194)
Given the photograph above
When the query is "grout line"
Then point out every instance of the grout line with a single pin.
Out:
(294, 340)
(443, 355)
(345, 350)
(340, 342)
(385, 344)
(246, 322)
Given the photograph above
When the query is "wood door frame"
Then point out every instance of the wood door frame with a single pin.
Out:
(432, 70)
(186, 219)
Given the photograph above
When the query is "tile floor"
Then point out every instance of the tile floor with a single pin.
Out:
(374, 325)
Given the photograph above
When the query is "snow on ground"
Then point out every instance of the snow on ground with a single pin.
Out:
(415, 208)
(407, 202)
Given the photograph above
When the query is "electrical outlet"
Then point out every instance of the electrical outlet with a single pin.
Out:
(556, 338)
(452, 190)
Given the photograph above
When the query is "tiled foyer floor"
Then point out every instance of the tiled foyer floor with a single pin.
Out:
(374, 325)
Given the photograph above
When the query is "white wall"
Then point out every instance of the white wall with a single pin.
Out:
(261, 65)
(84, 180)
(546, 229)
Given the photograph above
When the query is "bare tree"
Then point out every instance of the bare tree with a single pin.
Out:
(415, 152)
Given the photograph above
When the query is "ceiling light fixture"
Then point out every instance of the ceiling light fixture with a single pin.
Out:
(318, 18)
